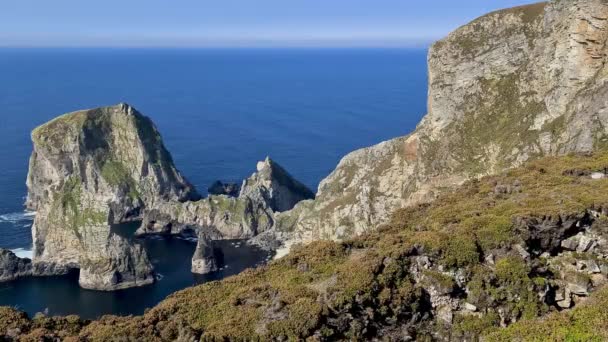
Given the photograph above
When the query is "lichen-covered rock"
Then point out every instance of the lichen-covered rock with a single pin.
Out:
(13, 267)
(123, 265)
(205, 259)
(221, 217)
(510, 86)
(267, 191)
(91, 169)
(274, 186)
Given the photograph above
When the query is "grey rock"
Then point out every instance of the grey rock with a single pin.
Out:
(469, 307)
(557, 99)
(251, 215)
(89, 170)
(124, 265)
(205, 259)
(275, 186)
(13, 267)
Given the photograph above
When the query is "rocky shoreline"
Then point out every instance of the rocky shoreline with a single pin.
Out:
(93, 169)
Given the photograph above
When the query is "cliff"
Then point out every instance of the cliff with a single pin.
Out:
(90, 170)
(502, 250)
(433, 246)
(511, 86)
(95, 169)
(266, 192)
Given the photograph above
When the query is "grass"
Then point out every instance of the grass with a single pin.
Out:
(363, 287)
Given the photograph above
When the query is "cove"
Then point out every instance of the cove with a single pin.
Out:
(61, 295)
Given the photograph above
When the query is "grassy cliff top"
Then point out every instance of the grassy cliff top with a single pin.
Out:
(66, 127)
(327, 289)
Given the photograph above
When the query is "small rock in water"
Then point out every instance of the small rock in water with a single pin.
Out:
(220, 188)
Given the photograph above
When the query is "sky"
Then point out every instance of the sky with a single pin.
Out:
(235, 23)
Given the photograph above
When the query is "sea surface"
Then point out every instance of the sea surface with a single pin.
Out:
(219, 112)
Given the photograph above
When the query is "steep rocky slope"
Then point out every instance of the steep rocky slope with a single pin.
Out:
(13, 267)
(513, 85)
(91, 170)
(497, 251)
(269, 190)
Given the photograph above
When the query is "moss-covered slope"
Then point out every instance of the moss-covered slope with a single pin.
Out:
(496, 251)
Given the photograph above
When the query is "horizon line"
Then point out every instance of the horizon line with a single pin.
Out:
(218, 47)
(254, 43)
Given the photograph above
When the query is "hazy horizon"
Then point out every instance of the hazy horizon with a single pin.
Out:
(235, 23)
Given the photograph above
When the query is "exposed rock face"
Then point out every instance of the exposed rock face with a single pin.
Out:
(91, 169)
(221, 217)
(274, 186)
(268, 190)
(124, 265)
(13, 267)
(512, 85)
(205, 259)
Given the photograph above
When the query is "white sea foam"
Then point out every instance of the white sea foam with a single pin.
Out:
(187, 238)
(159, 277)
(18, 217)
(23, 253)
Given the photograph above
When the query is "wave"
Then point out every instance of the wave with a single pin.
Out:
(23, 253)
(18, 217)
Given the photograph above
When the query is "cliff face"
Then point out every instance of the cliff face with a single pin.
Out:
(510, 86)
(89, 170)
(501, 250)
(269, 190)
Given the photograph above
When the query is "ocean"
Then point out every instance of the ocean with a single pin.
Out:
(219, 112)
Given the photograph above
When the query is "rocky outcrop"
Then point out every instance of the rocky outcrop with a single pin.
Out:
(269, 190)
(89, 170)
(206, 258)
(13, 267)
(274, 186)
(510, 86)
(123, 264)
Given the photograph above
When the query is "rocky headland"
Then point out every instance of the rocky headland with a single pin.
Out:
(488, 222)
(93, 170)
(510, 86)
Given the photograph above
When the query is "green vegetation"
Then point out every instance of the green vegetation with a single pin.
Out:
(365, 287)
(71, 212)
(586, 322)
(117, 175)
(476, 37)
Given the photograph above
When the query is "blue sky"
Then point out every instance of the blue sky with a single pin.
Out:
(197, 23)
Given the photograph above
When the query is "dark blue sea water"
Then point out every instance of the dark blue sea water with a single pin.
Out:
(219, 111)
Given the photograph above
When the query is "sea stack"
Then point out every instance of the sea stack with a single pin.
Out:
(89, 170)
(206, 258)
